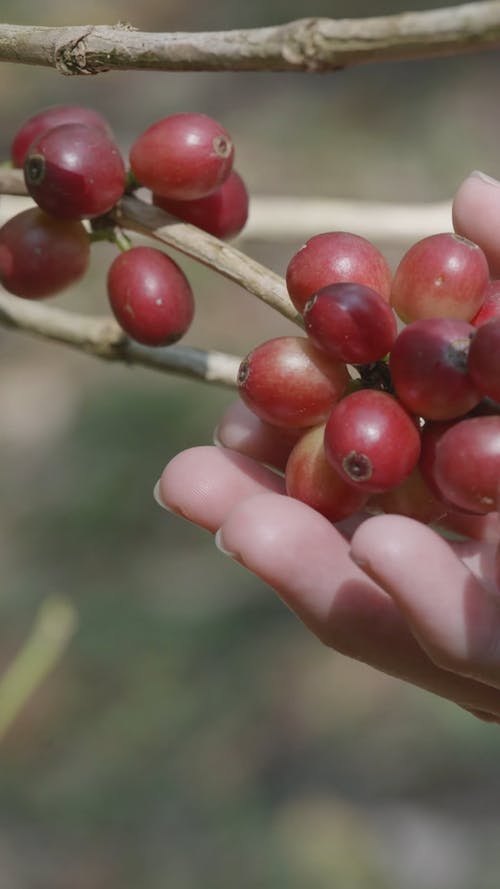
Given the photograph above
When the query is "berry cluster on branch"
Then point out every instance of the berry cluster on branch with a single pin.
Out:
(406, 420)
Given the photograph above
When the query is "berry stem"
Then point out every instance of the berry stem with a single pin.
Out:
(375, 376)
(111, 234)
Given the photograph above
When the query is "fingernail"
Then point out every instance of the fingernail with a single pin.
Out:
(485, 178)
(157, 496)
(220, 545)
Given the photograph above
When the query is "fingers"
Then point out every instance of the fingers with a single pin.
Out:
(455, 618)
(303, 557)
(476, 215)
(242, 431)
(203, 484)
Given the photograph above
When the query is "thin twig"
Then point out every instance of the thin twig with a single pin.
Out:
(310, 44)
(103, 338)
(283, 219)
(132, 213)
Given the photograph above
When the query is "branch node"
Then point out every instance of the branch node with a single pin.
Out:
(302, 46)
(70, 55)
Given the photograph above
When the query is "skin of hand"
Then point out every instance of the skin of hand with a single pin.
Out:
(386, 590)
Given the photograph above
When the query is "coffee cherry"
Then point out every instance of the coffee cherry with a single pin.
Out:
(413, 498)
(351, 322)
(74, 172)
(467, 464)
(428, 365)
(310, 478)
(490, 307)
(183, 157)
(484, 359)
(150, 296)
(49, 118)
(371, 440)
(40, 255)
(442, 276)
(287, 382)
(222, 213)
(332, 257)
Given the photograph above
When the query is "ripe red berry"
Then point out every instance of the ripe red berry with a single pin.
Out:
(185, 156)
(49, 118)
(351, 322)
(222, 213)
(287, 382)
(40, 255)
(312, 479)
(467, 464)
(490, 307)
(371, 440)
(150, 296)
(413, 498)
(332, 257)
(74, 172)
(484, 359)
(428, 365)
(442, 276)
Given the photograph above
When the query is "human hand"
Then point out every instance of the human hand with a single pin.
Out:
(385, 590)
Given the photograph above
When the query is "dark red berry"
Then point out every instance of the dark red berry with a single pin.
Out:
(332, 257)
(490, 307)
(484, 359)
(467, 464)
(49, 118)
(185, 156)
(150, 296)
(428, 365)
(442, 276)
(413, 498)
(222, 213)
(313, 480)
(74, 172)
(287, 382)
(371, 440)
(351, 322)
(40, 255)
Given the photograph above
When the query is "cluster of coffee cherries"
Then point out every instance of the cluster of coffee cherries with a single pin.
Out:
(387, 417)
(75, 174)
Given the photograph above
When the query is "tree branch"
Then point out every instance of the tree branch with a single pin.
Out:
(103, 338)
(282, 219)
(134, 214)
(311, 44)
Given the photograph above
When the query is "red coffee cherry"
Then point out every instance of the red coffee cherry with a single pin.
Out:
(150, 296)
(41, 255)
(49, 118)
(222, 213)
(184, 157)
(74, 172)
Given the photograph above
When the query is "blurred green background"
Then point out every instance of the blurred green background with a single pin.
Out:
(194, 735)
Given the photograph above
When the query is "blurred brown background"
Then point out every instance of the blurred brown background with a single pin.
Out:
(194, 736)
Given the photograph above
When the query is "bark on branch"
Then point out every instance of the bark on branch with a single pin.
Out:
(311, 44)
(103, 338)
